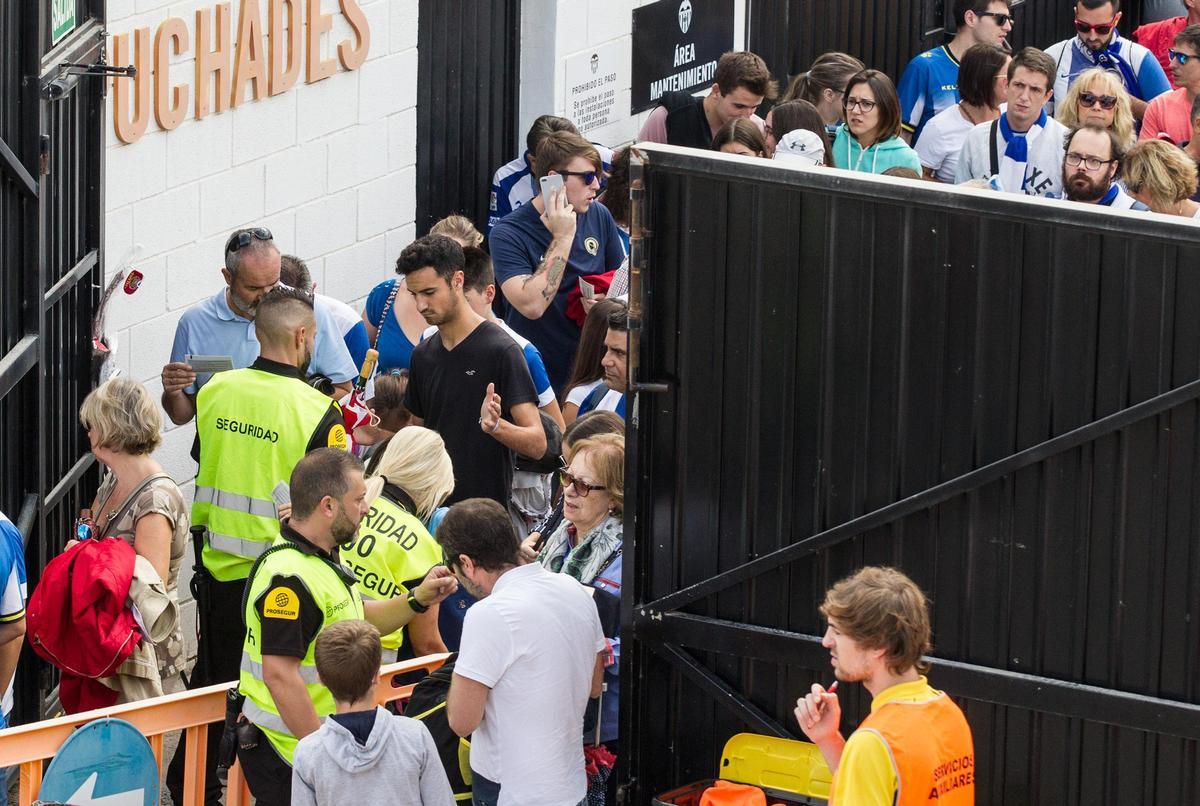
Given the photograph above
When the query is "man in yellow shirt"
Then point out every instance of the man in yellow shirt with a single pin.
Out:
(915, 747)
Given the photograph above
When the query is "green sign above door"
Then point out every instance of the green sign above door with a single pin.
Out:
(62, 19)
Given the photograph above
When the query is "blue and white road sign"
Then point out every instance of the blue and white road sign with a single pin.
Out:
(107, 762)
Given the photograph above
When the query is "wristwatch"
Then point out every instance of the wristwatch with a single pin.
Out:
(415, 605)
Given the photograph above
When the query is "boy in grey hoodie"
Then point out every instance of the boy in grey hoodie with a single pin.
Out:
(363, 751)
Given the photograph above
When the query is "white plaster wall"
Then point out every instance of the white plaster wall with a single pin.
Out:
(329, 167)
(553, 31)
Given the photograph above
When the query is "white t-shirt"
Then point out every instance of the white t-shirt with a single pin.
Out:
(339, 312)
(941, 141)
(534, 642)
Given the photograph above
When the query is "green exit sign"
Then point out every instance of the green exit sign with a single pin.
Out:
(62, 19)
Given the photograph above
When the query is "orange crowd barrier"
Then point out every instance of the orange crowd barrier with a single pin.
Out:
(32, 745)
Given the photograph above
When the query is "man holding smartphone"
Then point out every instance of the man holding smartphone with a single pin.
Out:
(542, 249)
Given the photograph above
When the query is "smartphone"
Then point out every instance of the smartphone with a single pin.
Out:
(550, 184)
(586, 289)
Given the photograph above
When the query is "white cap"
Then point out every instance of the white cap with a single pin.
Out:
(801, 144)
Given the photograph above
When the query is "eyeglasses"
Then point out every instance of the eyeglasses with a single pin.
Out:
(1089, 163)
(582, 488)
(860, 103)
(1104, 28)
(1175, 56)
(588, 177)
(1000, 18)
(1090, 99)
(240, 240)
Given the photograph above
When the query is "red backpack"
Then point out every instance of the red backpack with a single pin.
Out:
(77, 619)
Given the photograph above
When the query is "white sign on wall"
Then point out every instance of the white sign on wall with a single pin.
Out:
(593, 79)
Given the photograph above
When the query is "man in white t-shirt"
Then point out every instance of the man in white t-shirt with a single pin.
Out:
(532, 654)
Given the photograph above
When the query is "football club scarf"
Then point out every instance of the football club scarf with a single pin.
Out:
(1016, 152)
(1111, 58)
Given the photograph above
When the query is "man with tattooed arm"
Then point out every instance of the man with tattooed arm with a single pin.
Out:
(540, 252)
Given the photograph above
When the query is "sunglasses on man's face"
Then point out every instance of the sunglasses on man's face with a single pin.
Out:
(1090, 99)
(1001, 18)
(588, 177)
(1104, 28)
(1175, 56)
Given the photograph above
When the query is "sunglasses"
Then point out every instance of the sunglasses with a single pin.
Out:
(588, 177)
(582, 488)
(1001, 18)
(240, 240)
(1104, 28)
(1090, 99)
(1175, 56)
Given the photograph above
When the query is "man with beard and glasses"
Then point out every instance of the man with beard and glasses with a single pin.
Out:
(297, 588)
(469, 381)
(533, 653)
(224, 325)
(252, 426)
(1091, 168)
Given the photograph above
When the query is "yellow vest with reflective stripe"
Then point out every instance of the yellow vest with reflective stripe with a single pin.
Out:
(392, 547)
(337, 600)
(254, 426)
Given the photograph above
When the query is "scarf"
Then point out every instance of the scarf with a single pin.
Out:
(1016, 152)
(1110, 196)
(589, 556)
(1109, 59)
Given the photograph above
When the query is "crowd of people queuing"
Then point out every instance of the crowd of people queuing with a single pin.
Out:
(477, 507)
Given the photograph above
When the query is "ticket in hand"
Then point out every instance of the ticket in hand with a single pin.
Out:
(209, 363)
(282, 494)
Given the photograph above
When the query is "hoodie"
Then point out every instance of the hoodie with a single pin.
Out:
(398, 763)
(890, 153)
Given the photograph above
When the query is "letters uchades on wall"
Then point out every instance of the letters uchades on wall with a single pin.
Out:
(265, 61)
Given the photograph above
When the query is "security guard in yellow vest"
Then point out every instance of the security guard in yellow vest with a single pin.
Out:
(252, 426)
(295, 589)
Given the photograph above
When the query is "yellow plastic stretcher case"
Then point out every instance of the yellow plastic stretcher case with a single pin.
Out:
(782, 766)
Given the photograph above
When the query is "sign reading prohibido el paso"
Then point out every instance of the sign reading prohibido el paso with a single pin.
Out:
(676, 45)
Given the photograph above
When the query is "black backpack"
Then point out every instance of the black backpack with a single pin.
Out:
(428, 705)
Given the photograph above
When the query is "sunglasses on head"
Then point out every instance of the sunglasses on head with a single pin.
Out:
(240, 240)
(588, 177)
(1175, 56)
(1104, 28)
(1090, 99)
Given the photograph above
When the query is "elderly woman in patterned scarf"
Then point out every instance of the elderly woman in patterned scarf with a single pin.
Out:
(587, 546)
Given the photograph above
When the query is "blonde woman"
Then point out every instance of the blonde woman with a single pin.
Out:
(138, 502)
(393, 550)
(1098, 98)
(458, 228)
(1162, 177)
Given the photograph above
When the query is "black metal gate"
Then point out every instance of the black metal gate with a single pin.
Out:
(468, 80)
(998, 397)
(51, 239)
(885, 34)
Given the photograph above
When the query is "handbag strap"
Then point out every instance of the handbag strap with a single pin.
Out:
(387, 306)
(995, 147)
(129, 499)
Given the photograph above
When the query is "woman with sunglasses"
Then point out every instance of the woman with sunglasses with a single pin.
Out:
(870, 139)
(1098, 98)
(587, 546)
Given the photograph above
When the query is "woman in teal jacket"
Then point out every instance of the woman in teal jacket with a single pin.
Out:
(870, 140)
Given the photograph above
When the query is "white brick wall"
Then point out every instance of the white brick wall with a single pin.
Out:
(328, 167)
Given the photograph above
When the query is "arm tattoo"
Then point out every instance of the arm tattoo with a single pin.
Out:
(553, 277)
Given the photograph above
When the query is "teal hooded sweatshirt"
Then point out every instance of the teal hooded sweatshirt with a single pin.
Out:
(890, 153)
